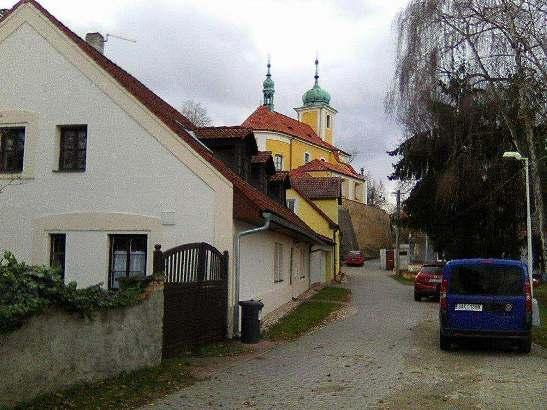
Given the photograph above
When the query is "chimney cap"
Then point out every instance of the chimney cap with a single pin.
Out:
(96, 40)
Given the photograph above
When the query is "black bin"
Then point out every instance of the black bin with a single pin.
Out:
(250, 323)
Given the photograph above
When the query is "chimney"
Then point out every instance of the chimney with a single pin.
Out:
(95, 40)
(363, 171)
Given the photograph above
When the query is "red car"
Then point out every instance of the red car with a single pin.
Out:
(428, 281)
(355, 258)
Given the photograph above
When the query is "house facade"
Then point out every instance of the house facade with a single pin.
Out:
(84, 157)
(98, 169)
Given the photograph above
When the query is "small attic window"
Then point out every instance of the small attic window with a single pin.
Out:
(289, 127)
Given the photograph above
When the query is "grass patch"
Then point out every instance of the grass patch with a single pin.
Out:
(405, 280)
(308, 315)
(126, 391)
(332, 294)
(540, 333)
(222, 349)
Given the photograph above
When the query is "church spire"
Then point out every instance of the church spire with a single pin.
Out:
(268, 89)
(316, 71)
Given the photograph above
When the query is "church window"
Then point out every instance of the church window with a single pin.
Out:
(328, 121)
(307, 157)
(278, 162)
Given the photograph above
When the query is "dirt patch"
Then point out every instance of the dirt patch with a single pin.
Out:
(471, 377)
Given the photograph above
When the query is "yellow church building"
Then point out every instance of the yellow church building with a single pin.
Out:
(304, 149)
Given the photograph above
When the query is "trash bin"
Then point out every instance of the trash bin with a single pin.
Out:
(250, 322)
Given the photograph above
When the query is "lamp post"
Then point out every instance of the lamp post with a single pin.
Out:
(518, 157)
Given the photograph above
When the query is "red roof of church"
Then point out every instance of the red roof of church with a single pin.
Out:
(237, 132)
(317, 187)
(249, 203)
(318, 165)
(262, 119)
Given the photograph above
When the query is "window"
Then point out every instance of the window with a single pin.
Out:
(57, 251)
(328, 121)
(278, 162)
(72, 152)
(492, 279)
(307, 157)
(278, 262)
(127, 257)
(322, 159)
(302, 267)
(291, 203)
(12, 149)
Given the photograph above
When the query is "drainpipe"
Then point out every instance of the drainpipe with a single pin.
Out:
(268, 219)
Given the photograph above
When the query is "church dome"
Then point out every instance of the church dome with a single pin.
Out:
(316, 96)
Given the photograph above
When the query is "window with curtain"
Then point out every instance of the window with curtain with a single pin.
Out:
(73, 147)
(127, 257)
(12, 149)
(57, 251)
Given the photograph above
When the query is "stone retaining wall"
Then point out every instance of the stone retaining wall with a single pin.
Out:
(57, 349)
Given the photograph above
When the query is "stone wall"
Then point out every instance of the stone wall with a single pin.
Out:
(371, 226)
(57, 349)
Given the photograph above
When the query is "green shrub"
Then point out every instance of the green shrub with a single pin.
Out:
(26, 291)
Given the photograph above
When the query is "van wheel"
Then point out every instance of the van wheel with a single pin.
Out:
(444, 342)
(417, 297)
(525, 345)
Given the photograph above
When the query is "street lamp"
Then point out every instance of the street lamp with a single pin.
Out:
(518, 157)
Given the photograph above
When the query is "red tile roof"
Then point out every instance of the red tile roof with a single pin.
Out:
(236, 132)
(262, 119)
(280, 176)
(249, 203)
(261, 157)
(317, 187)
(340, 168)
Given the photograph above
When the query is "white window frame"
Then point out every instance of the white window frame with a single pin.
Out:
(278, 262)
(278, 162)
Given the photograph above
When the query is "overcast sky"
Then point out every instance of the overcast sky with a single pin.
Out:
(215, 52)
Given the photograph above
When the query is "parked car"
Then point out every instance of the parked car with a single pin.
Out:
(486, 298)
(355, 258)
(428, 281)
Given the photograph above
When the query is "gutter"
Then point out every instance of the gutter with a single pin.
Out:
(268, 219)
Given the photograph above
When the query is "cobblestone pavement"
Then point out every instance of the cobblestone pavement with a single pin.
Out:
(385, 355)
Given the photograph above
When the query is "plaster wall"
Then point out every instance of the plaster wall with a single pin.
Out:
(136, 169)
(257, 268)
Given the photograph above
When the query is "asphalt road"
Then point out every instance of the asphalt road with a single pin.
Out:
(383, 355)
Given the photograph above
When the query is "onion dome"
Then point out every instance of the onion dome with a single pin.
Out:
(316, 96)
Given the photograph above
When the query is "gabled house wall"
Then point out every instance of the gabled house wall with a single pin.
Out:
(140, 177)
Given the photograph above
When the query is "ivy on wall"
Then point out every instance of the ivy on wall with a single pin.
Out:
(25, 291)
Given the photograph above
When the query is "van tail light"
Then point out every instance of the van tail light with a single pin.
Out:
(444, 289)
(528, 295)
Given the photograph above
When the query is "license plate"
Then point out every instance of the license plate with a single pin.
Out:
(469, 307)
(434, 280)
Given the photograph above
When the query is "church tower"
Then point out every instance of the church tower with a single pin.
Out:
(316, 111)
(268, 89)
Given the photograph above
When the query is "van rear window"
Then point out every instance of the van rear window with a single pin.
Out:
(486, 280)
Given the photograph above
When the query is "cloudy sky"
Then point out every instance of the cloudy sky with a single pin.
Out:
(215, 52)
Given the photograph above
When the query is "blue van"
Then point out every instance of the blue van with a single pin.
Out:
(487, 298)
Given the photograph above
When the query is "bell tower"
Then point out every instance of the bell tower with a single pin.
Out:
(316, 111)
(268, 89)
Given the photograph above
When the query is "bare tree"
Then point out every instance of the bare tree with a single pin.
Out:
(196, 113)
(376, 193)
(502, 46)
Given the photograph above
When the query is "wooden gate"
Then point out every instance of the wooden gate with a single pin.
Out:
(195, 295)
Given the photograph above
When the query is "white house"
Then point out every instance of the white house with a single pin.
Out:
(99, 169)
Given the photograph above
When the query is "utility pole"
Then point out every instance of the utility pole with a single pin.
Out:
(397, 233)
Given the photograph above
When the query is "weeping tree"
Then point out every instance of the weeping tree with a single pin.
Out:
(503, 48)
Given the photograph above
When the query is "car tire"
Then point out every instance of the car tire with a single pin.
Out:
(444, 342)
(417, 297)
(525, 345)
